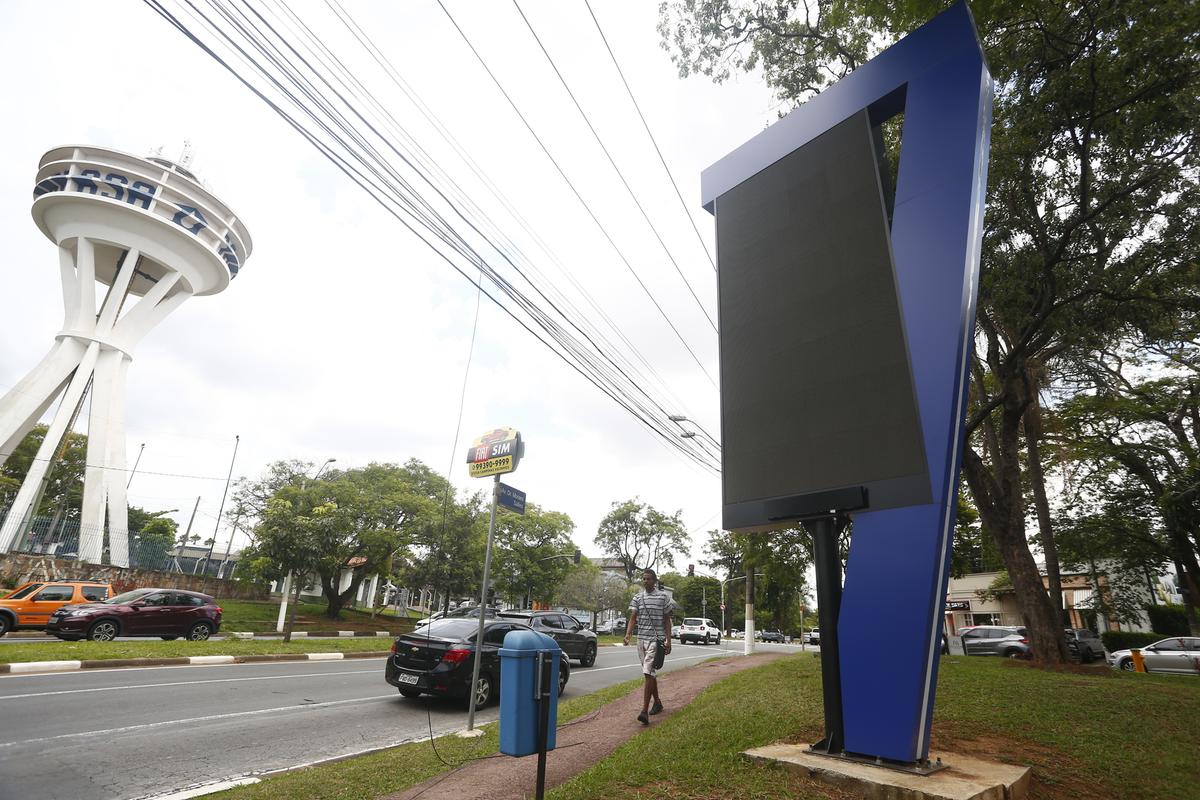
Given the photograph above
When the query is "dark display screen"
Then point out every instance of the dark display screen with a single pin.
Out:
(816, 389)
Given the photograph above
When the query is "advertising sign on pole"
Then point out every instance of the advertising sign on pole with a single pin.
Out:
(495, 453)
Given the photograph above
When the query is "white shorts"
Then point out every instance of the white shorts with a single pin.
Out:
(646, 653)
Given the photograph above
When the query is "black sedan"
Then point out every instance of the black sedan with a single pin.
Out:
(438, 659)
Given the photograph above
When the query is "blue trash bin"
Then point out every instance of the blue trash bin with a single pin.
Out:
(519, 707)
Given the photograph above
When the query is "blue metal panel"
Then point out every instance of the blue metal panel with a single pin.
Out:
(899, 558)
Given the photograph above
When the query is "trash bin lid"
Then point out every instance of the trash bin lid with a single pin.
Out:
(527, 644)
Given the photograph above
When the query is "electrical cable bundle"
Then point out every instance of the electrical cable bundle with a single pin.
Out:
(296, 75)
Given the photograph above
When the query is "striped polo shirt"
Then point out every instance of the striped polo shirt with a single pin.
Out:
(651, 607)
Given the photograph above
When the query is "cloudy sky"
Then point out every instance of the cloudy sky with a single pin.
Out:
(346, 337)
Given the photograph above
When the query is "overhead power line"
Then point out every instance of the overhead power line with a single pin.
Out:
(352, 148)
(686, 211)
(616, 169)
(584, 203)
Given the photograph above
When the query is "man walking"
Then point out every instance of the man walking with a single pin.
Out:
(650, 617)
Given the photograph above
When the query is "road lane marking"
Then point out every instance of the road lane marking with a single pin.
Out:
(185, 683)
(100, 671)
(193, 720)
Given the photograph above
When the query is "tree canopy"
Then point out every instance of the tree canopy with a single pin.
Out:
(640, 536)
(1091, 227)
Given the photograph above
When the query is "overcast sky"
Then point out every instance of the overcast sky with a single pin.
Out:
(344, 336)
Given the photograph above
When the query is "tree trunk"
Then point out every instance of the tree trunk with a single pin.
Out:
(1001, 506)
(1189, 595)
(291, 617)
(1037, 480)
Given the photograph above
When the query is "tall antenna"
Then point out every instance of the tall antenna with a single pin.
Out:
(185, 158)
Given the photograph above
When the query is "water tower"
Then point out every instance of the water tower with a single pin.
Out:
(145, 235)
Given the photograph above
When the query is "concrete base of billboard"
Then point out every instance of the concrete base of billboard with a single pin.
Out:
(964, 778)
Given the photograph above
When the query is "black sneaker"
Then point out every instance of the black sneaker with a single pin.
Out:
(642, 718)
(656, 708)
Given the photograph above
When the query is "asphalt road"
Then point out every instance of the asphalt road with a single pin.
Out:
(136, 733)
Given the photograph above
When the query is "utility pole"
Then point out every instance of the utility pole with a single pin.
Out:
(208, 558)
(748, 647)
(186, 533)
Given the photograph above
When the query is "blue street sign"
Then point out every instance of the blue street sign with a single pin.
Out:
(510, 498)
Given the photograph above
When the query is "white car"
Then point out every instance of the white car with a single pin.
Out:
(1178, 655)
(699, 629)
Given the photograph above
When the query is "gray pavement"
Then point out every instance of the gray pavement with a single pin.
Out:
(123, 734)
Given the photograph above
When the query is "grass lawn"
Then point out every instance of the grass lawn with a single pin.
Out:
(156, 648)
(260, 616)
(395, 769)
(1087, 736)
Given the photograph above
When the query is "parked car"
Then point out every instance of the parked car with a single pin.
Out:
(1009, 641)
(30, 605)
(439, 660)
(1178, 655)
(772, 636)
(1084, 645)
(734, 633)
(813, 636)
(574, 639)
(699, 629)
(675, 631)
(166, 613)
(458, 613)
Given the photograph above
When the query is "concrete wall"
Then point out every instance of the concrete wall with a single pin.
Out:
(23, 567)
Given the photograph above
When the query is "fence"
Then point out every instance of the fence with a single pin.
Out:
(63, 537)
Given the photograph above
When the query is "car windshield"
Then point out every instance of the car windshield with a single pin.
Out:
(128, 597)
(22, 591)
(693, 621)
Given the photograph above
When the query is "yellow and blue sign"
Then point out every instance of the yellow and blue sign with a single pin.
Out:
(496, 452)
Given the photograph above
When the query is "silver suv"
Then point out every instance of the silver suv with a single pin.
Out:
(996, 640)
(1086, 644)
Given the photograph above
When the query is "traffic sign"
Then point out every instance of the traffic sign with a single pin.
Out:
(510, 498)
(722, 606)
(495, 453)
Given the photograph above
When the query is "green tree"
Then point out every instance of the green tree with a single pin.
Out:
(1138, 441)
(62, 493)
(151, 543)
(1091, 226)
(640, 536)
(528, 560)
(366, 516)
(588, 587)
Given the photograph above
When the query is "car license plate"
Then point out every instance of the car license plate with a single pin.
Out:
(405, 677)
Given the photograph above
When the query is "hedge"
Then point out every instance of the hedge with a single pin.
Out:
(1123, 640)
(1170, 619)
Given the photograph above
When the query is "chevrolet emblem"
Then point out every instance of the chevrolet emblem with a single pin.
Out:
(416, 649)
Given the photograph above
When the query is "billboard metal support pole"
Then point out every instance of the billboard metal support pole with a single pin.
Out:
(487, 568)
(829, 600)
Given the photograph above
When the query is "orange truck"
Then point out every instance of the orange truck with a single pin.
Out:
(30, 605)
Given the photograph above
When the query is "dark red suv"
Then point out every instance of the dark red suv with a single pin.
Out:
(167, 613)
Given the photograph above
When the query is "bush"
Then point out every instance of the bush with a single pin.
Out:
(1123, 640)
(1170, 619)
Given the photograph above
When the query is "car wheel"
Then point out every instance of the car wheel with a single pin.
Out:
(410, 693)
(483, 691)
(1126, 664)
(5, 624)
(103, 631)
(199, 632)
(168, 638)
(589, 655)
(1012, 653)
(563, 674)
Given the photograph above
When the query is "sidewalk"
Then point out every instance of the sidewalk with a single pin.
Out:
(581, 743)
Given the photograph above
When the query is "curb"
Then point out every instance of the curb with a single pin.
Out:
(36, 667)
(243, 634)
